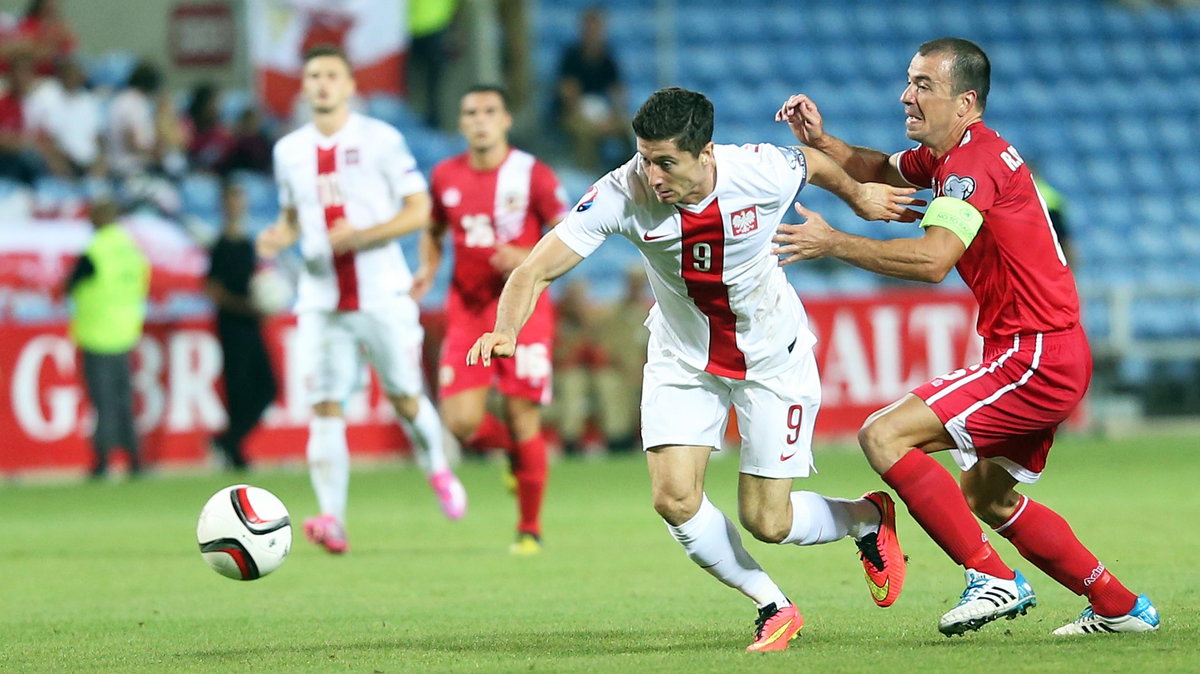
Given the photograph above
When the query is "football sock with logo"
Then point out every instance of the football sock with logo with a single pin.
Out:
(820, 519)
(329, 464)
(425, 431)
(712, 542)
(491, 434)
(530, 468)
(1044, 538)
(936, 503)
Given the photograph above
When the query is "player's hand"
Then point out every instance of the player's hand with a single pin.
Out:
(880, 201)
(343, 237)
(421, 283)
(806, 241)
(271, 241)
(508, 257)
(804, 118)
(491, 345)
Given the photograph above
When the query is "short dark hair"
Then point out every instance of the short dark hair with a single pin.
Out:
(971, 69)
(490, 89)
(145, 77)
(319, 50)
(677, 114)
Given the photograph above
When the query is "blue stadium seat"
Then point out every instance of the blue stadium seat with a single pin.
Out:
(111, 69)
(201, 195)
(261, 199)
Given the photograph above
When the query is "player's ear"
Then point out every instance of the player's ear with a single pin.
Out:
(706, 154)
(967, 101)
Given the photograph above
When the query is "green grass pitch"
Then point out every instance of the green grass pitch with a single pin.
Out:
(107, 577)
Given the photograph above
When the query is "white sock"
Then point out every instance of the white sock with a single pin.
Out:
(712, 542)
(820, 519)
(426, 434)
(329, 464)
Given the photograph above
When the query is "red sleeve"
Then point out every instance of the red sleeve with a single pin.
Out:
(547, 197)
(972, 175)
(916, 165)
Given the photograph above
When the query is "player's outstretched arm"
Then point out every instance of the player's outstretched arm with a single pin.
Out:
(278, 237)
(926, 259)
(870, 201)
(864, 164)
(549, 259)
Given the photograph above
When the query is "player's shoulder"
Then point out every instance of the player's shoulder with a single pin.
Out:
(301, 137)
(450, 166)
(981, 147)
(376, 129)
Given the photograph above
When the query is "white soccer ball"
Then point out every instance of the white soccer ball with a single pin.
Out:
(244, 532)
(270, 291)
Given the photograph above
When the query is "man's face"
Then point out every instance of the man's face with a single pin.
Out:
(930, 104)
(675, 176)
(483, 120)
(328, 83)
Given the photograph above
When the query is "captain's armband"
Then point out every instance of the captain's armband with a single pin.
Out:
(955, 215)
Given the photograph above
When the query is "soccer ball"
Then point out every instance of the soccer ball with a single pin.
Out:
(244, 532)
(270, 291)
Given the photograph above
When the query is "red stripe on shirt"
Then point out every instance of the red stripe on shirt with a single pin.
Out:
(703, 269)
(343, 263)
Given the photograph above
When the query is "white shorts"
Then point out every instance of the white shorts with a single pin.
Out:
(685, 406)
(330, 344)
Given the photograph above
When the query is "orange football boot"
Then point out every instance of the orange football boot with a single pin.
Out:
(775, 627)
(882, 559)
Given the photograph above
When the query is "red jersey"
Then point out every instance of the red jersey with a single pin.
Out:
(1014, 266)
(510, 204)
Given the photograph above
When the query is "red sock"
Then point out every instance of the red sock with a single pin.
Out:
(937, 504)
(1044, 538)
(491, 434)
(529, 467)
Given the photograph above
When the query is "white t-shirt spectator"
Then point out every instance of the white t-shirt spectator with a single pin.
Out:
(70, 118)
(130, 116)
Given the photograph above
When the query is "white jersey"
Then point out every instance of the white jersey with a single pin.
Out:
(722, 304)
(362, 174)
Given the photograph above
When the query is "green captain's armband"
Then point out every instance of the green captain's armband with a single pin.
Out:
(955, 215)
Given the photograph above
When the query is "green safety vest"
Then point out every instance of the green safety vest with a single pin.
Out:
(426, 17)
(110, 305)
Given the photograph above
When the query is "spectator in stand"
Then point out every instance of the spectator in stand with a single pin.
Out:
(65, 116)
(131, 141)
(591, 99)
(209, 140)
(249, 147)
(575, 359)
(108, 294)
(429, 50)
(42, 35)
(19, 159)
(249, 379)
(621, 339)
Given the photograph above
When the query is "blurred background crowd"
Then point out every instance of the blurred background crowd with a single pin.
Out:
(160, 106)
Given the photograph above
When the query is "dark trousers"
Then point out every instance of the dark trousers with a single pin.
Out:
(249, 383)
(109, 379)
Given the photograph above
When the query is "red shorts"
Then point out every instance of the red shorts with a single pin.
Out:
(1007, 408)
(526, 375)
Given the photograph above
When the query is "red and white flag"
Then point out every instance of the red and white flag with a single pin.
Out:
(372, 33)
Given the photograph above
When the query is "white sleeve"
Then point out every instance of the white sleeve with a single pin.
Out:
(790, 169)
(286, 199)
(597, 216)
(400, 168)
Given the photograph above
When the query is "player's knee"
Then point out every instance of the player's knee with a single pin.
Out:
(327, 408)
(676, 507)
(765, 527)
(462, 427)
(406, 406)
(877, 439)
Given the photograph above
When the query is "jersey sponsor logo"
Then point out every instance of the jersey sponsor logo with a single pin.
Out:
(744, 221)
(588, 199)
(785, 457)
(959, 188)
(451, 197)
(647, 237)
